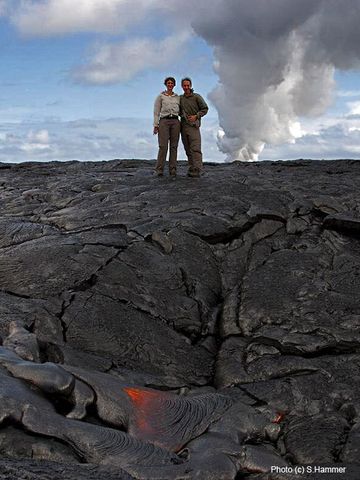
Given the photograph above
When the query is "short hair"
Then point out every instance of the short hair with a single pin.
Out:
(170, 78)
(186, 79)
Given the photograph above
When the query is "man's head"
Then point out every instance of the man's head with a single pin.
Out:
(186, 84)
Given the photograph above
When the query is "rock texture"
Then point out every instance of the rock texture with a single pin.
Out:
(203, 328)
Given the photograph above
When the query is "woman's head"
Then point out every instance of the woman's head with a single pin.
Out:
(169, 82)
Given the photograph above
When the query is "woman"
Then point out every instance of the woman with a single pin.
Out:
(167, 126)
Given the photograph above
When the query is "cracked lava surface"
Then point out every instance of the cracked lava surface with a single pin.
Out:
(199, 329)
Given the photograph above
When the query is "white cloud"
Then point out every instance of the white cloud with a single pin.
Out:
(77, 140)
(36, 141)
(34, 147)
(90, 140)
(334, 138)
(348, 93)
(20, 144)
(54, 17)
(354, 108)
(41, 136)
(120, 62)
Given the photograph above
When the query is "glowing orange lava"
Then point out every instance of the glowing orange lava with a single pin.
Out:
(145, 401)
(141, 397)
(279, 417)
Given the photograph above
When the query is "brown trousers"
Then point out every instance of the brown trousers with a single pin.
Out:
(191, 138)
(169, 132)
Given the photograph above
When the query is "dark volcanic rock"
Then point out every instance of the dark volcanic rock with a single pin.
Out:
(45, 470)
(174, 330)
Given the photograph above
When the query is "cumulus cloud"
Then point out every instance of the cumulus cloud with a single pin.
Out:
(19, 143)
(354, 108)
(90, 140)
(120, 62)
(132, 138)
(36, 141)
(39, 137)
(54, 17)
(330, 137)
(331, 143)
(86, 140)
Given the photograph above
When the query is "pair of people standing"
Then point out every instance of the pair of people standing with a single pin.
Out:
(168, 107)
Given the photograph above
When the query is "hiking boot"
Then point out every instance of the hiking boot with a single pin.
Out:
(159, 174)
(193, 173)
(172, 173)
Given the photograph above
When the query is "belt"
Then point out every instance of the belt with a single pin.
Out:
(170, 116)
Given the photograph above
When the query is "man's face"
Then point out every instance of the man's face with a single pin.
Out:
(186, 85)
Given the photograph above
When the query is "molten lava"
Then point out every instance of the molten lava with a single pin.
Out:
(145, 402)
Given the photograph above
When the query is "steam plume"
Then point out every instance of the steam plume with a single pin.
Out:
(276, 61)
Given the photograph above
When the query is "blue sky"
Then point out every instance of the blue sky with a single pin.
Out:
(79, 83)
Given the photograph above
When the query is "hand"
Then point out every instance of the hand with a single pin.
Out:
(192, 118)
(156, 130)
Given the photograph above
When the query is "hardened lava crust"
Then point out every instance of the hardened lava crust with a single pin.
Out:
(198, 328)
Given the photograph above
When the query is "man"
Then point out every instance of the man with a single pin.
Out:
(192, 108)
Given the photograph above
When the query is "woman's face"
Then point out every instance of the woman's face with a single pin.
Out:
(170, 85)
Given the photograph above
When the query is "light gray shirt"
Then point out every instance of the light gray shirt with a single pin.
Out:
(166, 105)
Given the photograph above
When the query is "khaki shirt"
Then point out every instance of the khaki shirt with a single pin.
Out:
(166, 105)
(194, 104)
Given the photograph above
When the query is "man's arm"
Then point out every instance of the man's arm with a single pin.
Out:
(203, 108)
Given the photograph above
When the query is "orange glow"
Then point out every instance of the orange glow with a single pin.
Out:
(145, 402)
(140, 397)
(279, 417)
